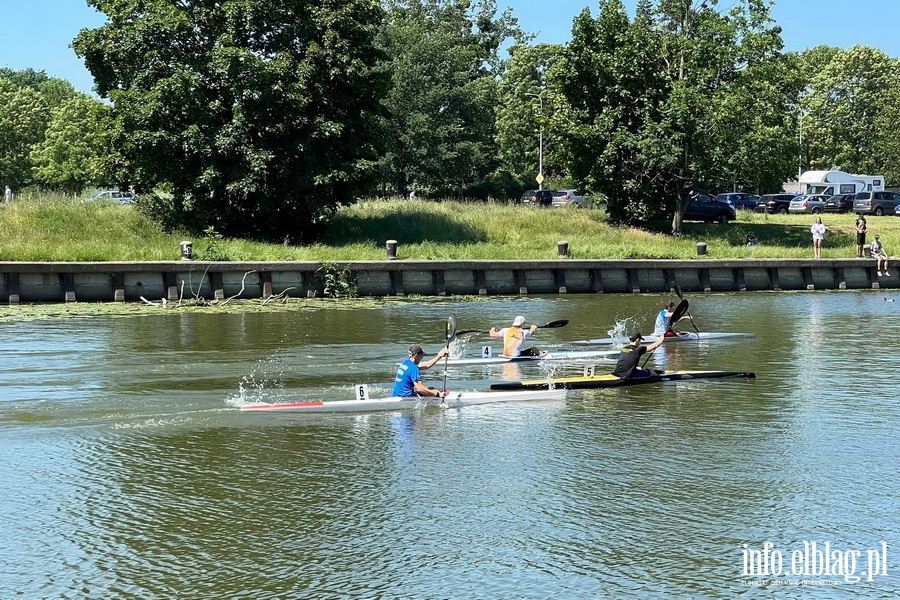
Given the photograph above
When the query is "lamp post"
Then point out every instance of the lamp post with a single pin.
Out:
(540, 175)
(800, 155)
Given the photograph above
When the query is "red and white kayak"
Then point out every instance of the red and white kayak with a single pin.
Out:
(690, 336)
(454, 400)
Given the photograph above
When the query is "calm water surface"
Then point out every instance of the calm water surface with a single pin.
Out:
(128, 471)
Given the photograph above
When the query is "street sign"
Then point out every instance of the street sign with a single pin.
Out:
(540, 178)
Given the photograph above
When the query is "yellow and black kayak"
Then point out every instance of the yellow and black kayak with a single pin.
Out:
(609, 381)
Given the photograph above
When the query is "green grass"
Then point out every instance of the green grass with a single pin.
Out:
(56, 228)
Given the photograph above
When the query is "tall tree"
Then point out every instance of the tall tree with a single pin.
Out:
(887, 141)
(713, 59)
(444, 64)
(612, 135)
(520, 121)
(75, 147)
(651, 100)
(259, 116)
(848, 92)
(755, 140)
(23, 121)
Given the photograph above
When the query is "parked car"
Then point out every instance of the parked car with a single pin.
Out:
(111, 195)
(539, 197)
(775, 203)
(875, 203)
(739, 200)
(839, 203)
(570, 198)
(704, 207)
(807, 204)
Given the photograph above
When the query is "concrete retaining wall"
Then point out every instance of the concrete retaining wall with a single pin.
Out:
(129, 281)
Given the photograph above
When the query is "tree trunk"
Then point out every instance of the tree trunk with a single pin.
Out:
(677, 220)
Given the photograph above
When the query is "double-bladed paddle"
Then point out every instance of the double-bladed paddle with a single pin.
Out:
(468, 333)
(449, 332)
(678, 313)
(677, 289)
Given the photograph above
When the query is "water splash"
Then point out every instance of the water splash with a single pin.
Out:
(459, 347)
(622, 329)
(265, 383)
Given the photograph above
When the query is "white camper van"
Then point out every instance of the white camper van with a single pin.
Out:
(834, 181)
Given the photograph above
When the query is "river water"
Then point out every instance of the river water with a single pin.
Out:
(129, 472)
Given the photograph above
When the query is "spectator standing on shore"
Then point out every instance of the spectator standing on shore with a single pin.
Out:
(818, 235)
(7, 194)
(880, 256)
(860, 235)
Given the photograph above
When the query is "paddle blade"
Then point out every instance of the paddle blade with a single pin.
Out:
(449, 333)
(451, 328)
(552, 324)
(469, 333)
(679, 312)
(677, 289)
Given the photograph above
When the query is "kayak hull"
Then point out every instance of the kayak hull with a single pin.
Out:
(692, 336)
(553, 355)
(610, 381)
(454, 400)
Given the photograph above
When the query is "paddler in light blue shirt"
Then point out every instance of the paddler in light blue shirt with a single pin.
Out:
(661, 328)
(408, 381)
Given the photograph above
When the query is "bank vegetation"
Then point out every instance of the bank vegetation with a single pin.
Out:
(262, 120)
(56, 228)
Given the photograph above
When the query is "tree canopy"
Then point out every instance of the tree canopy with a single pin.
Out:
(260, 118)
(443, 57)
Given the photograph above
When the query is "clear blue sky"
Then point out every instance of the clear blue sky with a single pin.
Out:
(37, 33)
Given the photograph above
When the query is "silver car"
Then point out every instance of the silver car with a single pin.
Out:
(875, 203)
(570, 198)
(110, 196)
(807, 204)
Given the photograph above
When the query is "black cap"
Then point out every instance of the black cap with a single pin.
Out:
(636, 336)
(416, 349)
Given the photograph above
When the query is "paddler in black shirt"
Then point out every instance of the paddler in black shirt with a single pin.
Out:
(630, 357)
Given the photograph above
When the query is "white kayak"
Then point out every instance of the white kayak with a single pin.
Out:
(552, 355)
(688, 336)
(454, 400)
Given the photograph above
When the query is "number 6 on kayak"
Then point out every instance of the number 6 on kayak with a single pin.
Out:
(362, 391)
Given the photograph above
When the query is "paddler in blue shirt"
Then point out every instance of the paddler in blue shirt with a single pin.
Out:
(630, 357)
(408, 381)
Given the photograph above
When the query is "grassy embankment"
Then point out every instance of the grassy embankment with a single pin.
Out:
(54, 228)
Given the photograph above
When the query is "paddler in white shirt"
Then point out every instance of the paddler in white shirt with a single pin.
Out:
(514, 338)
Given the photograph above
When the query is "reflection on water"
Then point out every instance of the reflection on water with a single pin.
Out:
(129, 473)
